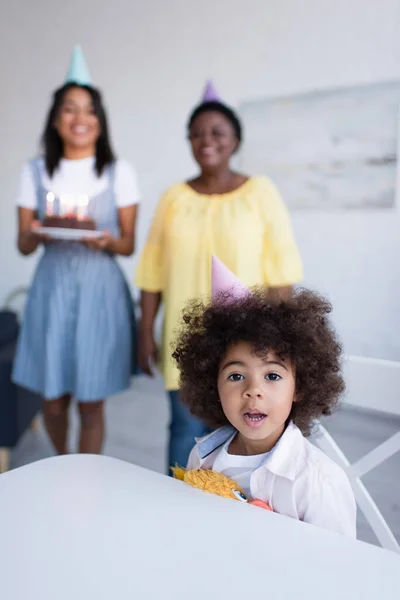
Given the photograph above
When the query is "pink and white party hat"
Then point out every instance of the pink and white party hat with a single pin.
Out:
(210, 93)
(223, 280)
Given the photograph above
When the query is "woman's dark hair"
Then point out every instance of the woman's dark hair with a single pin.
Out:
(214, 106)
(52, 143)
(297, 329)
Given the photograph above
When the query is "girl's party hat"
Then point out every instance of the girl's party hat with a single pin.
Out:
(78, 71)
(224, 281)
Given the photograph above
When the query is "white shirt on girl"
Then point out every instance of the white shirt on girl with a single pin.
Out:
(238, 468)
(76, 177)
(295, 479)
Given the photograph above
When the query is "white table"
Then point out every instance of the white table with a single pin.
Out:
(95, 528)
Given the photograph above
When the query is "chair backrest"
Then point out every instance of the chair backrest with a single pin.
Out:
(372, 384)
(8, 327)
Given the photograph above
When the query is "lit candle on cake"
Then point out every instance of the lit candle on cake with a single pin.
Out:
(66, 205)
(63, 205)
(82, 207)
(50, 197)
(70, 206)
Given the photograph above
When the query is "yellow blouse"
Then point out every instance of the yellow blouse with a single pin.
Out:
(248, 229)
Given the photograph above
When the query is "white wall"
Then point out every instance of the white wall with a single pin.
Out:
(151, 59)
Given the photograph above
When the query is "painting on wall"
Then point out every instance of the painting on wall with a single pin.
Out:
(327, 150)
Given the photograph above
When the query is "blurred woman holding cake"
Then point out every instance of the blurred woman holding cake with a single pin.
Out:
(240, 219)
(77, 333)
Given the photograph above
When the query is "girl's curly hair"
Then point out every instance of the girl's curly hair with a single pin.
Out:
(297, 329)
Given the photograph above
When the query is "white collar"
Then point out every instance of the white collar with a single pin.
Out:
(283, 460)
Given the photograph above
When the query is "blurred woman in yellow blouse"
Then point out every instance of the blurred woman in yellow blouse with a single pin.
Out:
(238, 218)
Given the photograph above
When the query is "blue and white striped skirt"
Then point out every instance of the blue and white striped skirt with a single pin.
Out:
(78, 328)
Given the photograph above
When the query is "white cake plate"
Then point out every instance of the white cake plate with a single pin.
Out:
(60, 233)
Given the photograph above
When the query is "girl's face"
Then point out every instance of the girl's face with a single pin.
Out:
(257, 394)
(76, 122)
(213, 141)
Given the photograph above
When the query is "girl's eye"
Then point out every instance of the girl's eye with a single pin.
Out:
(239, 495)
(235, 377)
(273, 377)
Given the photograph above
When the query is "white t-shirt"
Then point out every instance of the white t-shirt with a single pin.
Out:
(76, 177)
(238, 468)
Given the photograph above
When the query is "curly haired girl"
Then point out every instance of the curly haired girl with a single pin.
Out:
(262, 370)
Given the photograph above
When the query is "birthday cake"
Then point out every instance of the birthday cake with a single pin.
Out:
(69, 222)
(67, 212)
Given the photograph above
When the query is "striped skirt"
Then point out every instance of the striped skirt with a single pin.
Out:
(76, 335)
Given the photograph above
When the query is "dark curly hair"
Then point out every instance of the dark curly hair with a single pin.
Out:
(297, 329)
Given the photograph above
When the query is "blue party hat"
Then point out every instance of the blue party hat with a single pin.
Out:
(78, 71)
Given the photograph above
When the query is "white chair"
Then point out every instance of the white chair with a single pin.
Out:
(372, 384)
(15, 300)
